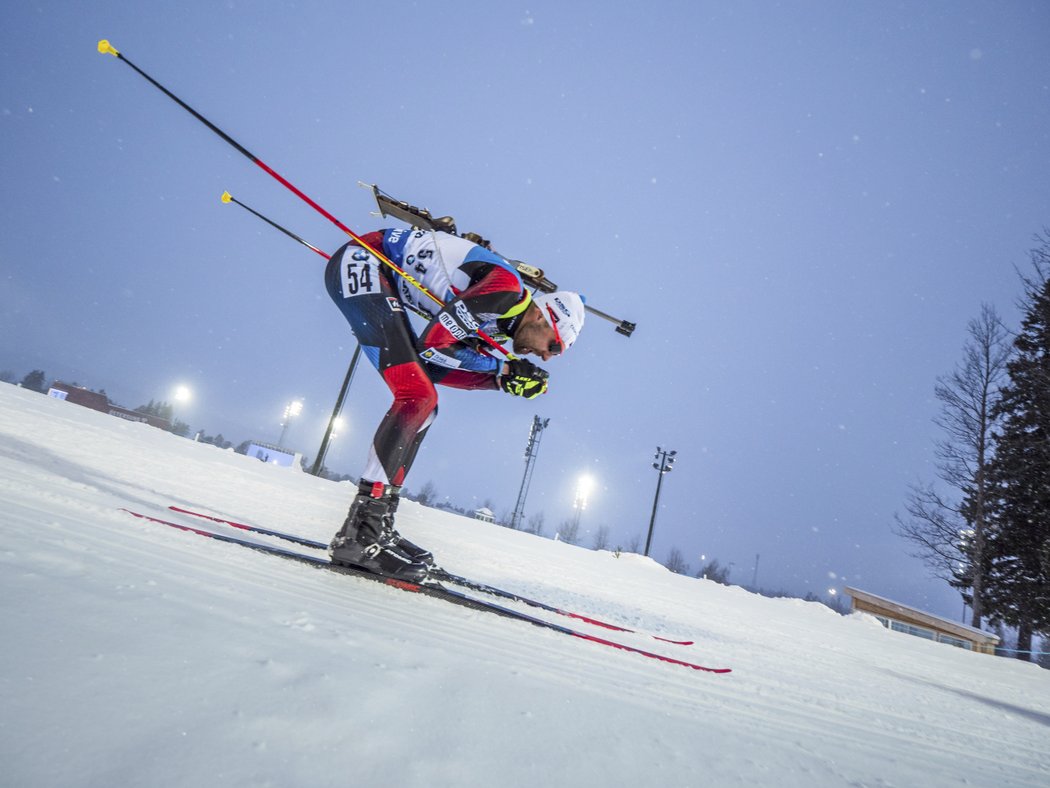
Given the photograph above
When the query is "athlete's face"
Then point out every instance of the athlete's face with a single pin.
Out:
(536, 336)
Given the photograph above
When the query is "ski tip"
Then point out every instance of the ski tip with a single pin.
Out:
(675, 642)
(106, 48)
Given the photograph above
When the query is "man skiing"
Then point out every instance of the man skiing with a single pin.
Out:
(481, 293)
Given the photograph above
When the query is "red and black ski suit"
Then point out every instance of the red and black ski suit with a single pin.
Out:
(480, 291)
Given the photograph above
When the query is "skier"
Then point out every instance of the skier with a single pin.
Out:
(481, 292)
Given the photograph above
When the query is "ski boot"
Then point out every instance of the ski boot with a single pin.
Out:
(363, 541)
(415, 552)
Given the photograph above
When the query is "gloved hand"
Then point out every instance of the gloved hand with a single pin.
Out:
(522, 378)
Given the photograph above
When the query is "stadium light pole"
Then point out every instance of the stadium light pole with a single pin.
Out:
(182, 396)
(532, 450)
(293, 409)
(583, 491)
(664, 463)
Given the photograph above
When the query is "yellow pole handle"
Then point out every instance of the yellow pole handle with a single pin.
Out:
(106, 48)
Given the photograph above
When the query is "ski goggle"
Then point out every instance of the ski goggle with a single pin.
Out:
(556, 346)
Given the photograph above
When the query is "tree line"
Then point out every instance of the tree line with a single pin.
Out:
(984, 525)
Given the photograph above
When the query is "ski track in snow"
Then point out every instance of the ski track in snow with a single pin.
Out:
(139, 654)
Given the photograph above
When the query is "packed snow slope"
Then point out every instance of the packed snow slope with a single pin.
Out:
(136, 654)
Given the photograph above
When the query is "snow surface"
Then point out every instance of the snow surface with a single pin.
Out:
(135, 654)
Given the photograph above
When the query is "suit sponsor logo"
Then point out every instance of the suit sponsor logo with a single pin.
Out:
(465, 317)
(395, 305)
(451, 326)
(435, 357)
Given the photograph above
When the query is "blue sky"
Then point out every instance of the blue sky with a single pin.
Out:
(800, 204)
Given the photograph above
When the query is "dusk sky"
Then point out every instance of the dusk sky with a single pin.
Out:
(801, 205)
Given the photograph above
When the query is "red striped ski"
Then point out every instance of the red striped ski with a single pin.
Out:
(441, 575)
(435, 590)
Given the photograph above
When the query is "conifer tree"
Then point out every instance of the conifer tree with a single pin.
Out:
(1018, 583)
(35, 381)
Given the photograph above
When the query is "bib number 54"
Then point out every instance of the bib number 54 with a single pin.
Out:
(358, 276)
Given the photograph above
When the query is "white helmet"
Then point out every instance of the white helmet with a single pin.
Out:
(564, 312)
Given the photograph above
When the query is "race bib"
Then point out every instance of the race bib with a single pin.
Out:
(358, 274)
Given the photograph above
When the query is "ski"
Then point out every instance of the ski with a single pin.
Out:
(440, 575)
(484, 588)
(435, 590)
(253, 528)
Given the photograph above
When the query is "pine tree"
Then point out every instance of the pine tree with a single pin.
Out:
(158, 408)
(35, 381)
(1018, 585)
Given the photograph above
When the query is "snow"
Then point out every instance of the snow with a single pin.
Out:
(136, 654)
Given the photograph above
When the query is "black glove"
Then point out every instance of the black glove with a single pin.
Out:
(524, 379)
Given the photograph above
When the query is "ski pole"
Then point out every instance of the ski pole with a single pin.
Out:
(341, 399)
(228, 198)
(105, 48)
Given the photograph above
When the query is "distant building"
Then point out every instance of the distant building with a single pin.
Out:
(901, 618)
(485, 515)
(100, 402)
(267, 452)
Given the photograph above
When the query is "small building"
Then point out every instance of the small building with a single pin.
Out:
(268, 452)
(485, 515)
(98, 401)
(911, 621)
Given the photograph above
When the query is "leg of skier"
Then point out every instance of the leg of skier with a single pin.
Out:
(360, 287)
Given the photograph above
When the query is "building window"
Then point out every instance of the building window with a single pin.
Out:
(955, 642)
(919, 632)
